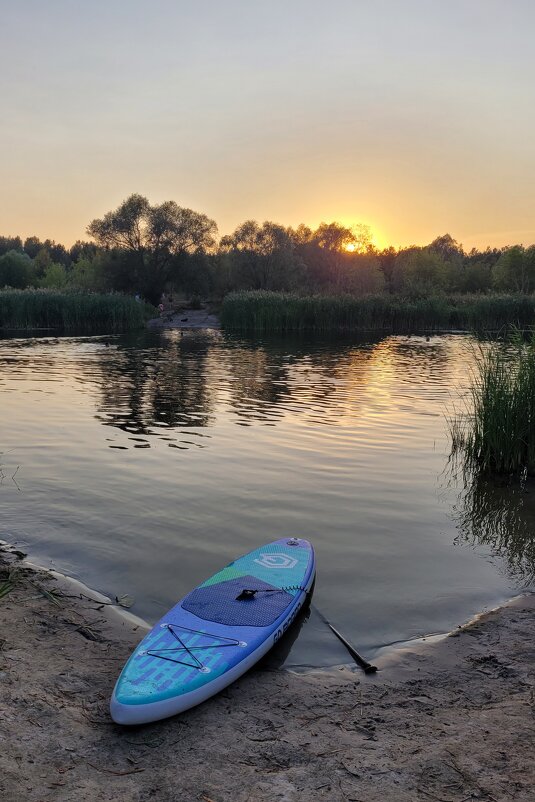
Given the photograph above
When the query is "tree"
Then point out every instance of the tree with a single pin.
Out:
(337, 238)
(515, 270)
(488, 257)
(419, 272)
(362, 274)
(477, 277)
(261, 257)
(300, 235)
(16, 270)
(447, 248)
(453, 257)
(32, 246)
(479, 267)
(10, 244)
(152, 236)
(54, 277)
(41, 262)
(81, 249)
(326, 250)
(92, 273)
(56, 251)
(387, 262)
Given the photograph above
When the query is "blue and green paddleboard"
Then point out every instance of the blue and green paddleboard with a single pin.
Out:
(216, 633)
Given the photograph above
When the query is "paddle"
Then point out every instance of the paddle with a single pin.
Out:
(247, 594)
(368, 668)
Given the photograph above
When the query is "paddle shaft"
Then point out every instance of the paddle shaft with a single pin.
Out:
(368, 668)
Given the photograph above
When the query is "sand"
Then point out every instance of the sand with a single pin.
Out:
(451, 720)
(185, 319)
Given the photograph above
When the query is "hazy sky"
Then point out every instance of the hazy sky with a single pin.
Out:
(416, 117)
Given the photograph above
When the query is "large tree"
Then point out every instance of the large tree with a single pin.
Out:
(151, 238)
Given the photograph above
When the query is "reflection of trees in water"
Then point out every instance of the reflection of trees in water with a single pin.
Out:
(170, 380)
(29, 356)
(124, 379)
(164, 386)
(254, 380)
(268, 377)
(502, 517)
(425, 360)
(182, 394)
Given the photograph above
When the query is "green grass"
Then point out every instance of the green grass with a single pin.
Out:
(8, 581)
(498, 435)
(265, 311)
(69, 311)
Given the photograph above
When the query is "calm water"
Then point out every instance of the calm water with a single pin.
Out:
(143, 464)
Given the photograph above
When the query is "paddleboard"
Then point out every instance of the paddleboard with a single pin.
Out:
(215, 633)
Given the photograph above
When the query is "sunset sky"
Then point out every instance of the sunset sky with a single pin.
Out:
(413, 117)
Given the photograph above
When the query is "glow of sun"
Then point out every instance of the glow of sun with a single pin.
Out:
(350, 247)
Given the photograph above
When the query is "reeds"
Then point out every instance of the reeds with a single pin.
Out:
(260, 310)
(498, 435)
(69, 311)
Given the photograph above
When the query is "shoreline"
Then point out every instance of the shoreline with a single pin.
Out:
(185, 319)
(449, 720)
(387, 654)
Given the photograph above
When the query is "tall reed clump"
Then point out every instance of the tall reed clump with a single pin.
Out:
(498, 436)
(69, 311)
(261, 310)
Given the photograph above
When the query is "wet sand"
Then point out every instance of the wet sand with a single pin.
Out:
(451, 720)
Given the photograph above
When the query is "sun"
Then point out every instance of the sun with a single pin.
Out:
(350, 247)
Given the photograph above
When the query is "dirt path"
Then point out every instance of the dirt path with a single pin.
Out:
(452, 722)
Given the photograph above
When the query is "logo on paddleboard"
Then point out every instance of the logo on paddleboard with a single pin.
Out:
(276, 561)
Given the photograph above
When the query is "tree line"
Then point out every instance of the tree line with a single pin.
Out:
(147, 249)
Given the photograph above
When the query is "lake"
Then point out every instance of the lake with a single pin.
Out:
(141, 464)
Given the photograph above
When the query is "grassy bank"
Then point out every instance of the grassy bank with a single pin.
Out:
(498, 435)
(69, 311)
(272, 311)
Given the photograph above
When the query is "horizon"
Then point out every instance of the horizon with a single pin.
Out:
(377, 244)
(287, 113)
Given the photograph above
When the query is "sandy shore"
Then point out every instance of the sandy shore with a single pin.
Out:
(452, 721)
(186, 319)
